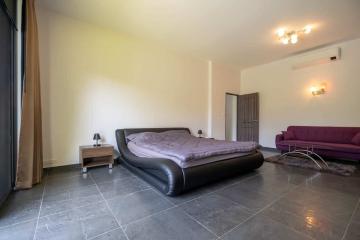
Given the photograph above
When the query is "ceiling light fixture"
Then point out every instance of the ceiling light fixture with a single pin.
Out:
(318, 90)
(292, 36)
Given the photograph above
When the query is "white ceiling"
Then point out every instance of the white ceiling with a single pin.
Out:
(238, 32)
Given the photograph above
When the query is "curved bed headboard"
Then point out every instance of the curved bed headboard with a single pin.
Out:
(128, 131)
(171, 182)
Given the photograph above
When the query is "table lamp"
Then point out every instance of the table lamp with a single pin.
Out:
(97, 138)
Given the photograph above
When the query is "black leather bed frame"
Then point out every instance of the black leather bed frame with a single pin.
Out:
(172, 180)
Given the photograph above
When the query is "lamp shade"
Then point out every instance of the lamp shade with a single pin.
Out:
(96, 136)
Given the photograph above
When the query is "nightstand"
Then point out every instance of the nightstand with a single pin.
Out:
(91, 156)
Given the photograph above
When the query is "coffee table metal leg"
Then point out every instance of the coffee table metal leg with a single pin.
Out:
(321, 159)
(311, 152)
(302, 154)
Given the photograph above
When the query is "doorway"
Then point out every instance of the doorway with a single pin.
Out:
(231, 116)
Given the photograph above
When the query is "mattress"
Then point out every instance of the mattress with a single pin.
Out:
(147, 153)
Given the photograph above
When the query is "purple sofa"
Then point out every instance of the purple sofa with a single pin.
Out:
(332, 142)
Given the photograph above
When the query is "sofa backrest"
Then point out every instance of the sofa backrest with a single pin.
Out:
(324, 134)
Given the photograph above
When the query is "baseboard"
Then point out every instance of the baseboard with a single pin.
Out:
(52, 163)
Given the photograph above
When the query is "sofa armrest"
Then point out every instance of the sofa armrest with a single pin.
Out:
(279, 138)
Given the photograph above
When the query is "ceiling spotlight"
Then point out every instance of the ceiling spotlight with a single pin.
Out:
(285, 41)
(292, 36)
(281, 32)
(307, 29)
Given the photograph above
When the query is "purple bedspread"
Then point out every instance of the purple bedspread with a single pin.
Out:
(184, 146)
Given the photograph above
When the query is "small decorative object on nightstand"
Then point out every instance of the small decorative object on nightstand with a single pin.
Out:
(92, 156)
(200, 133)
(97, 138)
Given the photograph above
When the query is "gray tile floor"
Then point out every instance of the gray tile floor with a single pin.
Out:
(274, 202)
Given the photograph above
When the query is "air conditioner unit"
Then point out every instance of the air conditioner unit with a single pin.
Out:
(317, 57)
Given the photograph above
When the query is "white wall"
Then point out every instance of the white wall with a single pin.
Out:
(224, 79)
(96, 80)
(285, 97)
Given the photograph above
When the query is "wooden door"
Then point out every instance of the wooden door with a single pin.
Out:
(248, 117)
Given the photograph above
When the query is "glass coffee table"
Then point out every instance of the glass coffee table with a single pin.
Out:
(306, 151)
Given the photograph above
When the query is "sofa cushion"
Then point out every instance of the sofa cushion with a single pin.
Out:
(288, 135)
(341, 147)
(356, 139)
(324, 134)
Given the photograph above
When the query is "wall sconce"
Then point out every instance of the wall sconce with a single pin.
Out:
(318, 90)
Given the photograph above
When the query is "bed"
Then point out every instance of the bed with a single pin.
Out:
(171, 179)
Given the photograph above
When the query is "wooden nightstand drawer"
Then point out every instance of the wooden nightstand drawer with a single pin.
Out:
(97, 152)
